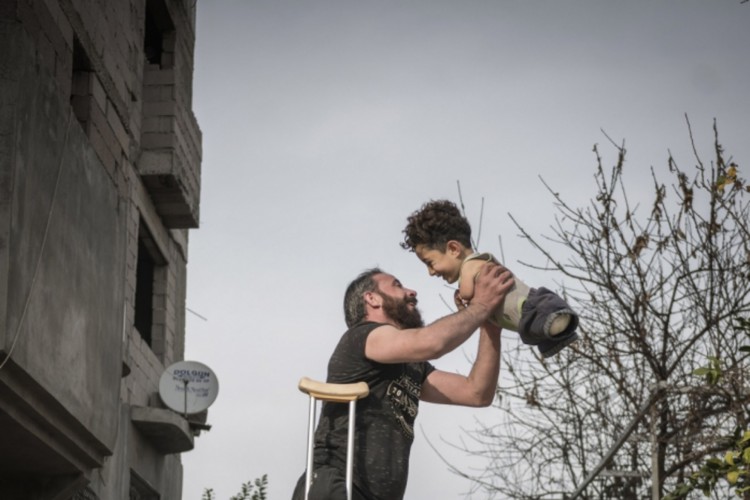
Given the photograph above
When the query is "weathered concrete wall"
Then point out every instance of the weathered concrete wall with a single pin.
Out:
(76, 196)
(9, 77)
(66, 243)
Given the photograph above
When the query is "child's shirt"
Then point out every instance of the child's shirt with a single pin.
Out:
(509, 316)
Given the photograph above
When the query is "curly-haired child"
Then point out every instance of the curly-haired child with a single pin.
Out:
(441, 237)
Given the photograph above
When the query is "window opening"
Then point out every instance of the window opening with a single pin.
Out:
(81, 92)
(157, 33)
(148, 264)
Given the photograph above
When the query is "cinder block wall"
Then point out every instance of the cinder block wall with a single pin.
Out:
(120, 74)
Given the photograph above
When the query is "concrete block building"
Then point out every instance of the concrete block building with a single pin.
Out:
(100, 158)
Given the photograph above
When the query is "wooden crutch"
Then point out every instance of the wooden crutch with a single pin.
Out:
(335, 393)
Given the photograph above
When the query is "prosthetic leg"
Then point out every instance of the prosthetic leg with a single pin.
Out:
(335, 393)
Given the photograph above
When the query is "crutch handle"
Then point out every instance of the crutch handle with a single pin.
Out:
(337, 393)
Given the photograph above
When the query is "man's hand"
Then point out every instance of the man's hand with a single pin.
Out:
(491, 286)
(460, 303)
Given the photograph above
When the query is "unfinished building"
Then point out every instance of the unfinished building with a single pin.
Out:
(100, 158)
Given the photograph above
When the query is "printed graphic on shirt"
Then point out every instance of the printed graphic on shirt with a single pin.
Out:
(404, 395)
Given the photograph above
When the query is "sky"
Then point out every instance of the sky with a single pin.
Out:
(326, 123)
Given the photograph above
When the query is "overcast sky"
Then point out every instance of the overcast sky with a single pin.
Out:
(326, 123)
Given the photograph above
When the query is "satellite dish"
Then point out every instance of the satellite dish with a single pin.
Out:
(188, 387)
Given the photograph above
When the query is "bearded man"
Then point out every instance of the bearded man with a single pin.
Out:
(388, 346)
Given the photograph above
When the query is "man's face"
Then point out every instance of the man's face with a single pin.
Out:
(399, 303)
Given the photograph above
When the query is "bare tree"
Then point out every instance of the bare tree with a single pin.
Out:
(657, 288)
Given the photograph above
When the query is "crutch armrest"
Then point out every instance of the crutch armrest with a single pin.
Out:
(337, 393)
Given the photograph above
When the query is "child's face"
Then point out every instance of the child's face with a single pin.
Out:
(446, 264)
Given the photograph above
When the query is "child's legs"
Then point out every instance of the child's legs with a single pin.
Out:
(546, 316)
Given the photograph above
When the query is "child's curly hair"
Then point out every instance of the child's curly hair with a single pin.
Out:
(434, 225)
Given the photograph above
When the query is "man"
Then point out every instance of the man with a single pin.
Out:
(388, 346)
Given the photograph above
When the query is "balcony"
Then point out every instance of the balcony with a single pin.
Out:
(170, 159)
(165, 429)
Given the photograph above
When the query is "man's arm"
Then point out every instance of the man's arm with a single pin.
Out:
(476, 389)
(388, 344)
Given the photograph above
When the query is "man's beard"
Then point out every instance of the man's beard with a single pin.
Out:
(400, 312)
